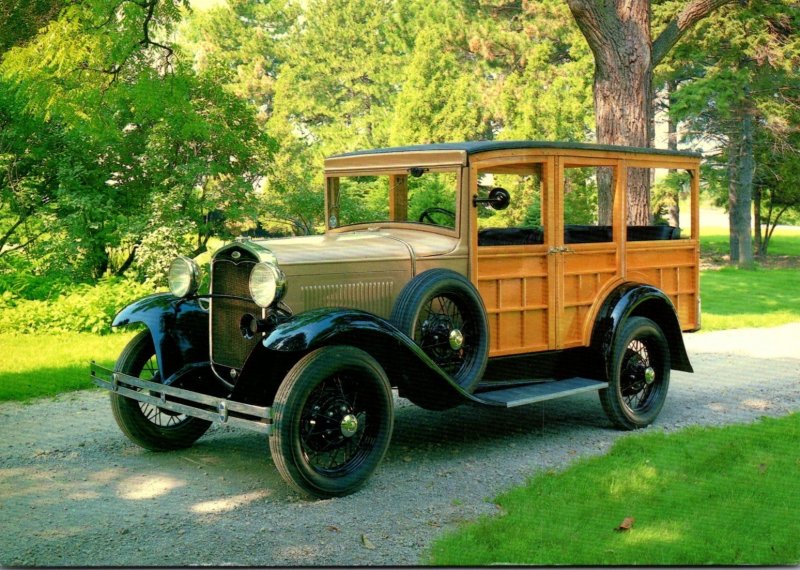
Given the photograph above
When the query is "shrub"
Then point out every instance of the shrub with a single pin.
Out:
(81, 308)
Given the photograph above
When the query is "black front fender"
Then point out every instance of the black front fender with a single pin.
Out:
(406, 364)
(635, 299)
(179, 328)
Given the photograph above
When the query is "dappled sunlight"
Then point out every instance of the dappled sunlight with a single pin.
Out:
(301, 553)
(83, 496)
(646, 534)
(60, 532)
(757, 404)
(229, 503)
(642, 479)
(147, 486)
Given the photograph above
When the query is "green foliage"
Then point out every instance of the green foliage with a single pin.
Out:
(81, 308)
(440, 99)
(736, 84)
(703, 496)
(116, 147)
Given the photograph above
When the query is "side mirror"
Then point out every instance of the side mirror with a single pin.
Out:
(498, 199)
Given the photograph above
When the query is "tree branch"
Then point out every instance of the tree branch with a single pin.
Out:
(695, 11)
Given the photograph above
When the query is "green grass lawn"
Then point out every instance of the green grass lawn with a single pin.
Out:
(704, 496)
(32, 366)
(736, 298)
(716, 241)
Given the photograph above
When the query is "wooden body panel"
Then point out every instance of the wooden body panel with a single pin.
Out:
(671, 266)
(547, 297)
(514, 284)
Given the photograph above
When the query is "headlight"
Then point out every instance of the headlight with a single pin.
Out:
(183, 276)
(267, 284)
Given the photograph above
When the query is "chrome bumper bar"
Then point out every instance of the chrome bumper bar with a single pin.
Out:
(182, 401)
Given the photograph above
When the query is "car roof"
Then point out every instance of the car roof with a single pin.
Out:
(474, 147)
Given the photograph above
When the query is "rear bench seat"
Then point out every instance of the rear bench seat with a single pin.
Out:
(573, 234)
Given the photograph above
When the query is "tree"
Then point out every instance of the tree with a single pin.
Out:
(149, 148)
(537, 69)
(440, 98)
(625, 54)
(742, 93)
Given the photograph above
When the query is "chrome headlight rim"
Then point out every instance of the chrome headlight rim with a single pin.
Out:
(267, 284)
(183, 276)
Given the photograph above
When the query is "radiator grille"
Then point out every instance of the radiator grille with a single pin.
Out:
(374, 297)
(228, 346)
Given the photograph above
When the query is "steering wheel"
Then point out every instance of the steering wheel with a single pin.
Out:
(426, 215)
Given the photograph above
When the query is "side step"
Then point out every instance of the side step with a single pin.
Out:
(538, 392)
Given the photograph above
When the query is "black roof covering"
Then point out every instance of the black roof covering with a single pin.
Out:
(473, 147)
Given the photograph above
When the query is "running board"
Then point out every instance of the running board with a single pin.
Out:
(538, 392)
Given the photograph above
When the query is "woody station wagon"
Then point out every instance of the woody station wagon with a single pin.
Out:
(498, 273)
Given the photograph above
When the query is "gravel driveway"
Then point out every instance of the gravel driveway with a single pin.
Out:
(75, 492)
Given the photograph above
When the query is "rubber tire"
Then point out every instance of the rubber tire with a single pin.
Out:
(430, 284)
(290, 400)
(129, 416)
(621, 415)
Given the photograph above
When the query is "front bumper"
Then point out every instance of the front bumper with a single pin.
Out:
(211, 408)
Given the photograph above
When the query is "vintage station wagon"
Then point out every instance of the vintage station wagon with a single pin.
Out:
(496, 273)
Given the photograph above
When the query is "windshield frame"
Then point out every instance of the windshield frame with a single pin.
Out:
(332, 189)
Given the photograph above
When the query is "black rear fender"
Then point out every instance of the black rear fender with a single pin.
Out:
(407, 366)
(179, 328)
(637, 300)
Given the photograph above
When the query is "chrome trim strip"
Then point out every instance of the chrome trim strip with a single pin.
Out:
(211, 408)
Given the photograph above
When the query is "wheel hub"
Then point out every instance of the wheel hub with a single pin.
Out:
(349, 425)
(649, 375)
(456, 339)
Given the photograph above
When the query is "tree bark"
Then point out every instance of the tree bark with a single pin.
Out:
(758, 243)
(746, 169)
(618, 33)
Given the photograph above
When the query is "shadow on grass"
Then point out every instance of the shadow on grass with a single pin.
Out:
(50, 381)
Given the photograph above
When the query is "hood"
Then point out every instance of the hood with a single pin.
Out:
(357, 247)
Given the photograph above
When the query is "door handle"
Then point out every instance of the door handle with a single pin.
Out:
(560, 249)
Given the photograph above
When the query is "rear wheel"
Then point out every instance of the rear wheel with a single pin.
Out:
(640, 368)
(147, 425)
(333, 421)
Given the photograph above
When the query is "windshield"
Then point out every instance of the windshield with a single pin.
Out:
(417, 195)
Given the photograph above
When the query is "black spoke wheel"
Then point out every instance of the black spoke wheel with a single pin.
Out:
(640, 369)
(147, 425)
(333, 421)
(444, 314)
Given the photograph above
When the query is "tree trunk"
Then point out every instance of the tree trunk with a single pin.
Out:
(758, 242)
(622, 99)
(733, 196)
(618, 33)
(746, 169)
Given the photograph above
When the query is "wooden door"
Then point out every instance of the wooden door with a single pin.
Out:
(588, 258)
(514, 270)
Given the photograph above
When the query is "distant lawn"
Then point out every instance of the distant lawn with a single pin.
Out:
(32, 366)
(735, 298)
(715, 241)
(704, 496)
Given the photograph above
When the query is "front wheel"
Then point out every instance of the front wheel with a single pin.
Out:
(332, 421)
(639, 368)
(444, 314)
(147, 425)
